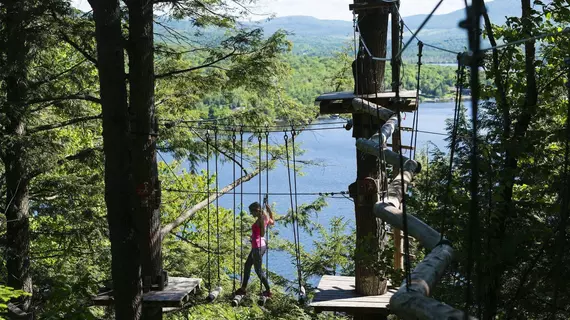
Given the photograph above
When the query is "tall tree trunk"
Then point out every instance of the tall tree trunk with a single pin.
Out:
(17, 182)
(144, 129)
(369, 76)
(119, 186)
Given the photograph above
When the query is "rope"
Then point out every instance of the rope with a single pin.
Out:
(458, 90)
(414, 36)
(425, 44)
(537, 37)
(217, 203)
(208, 208)
(407, 266)
(300, 128)
(241, 202)
(298, 242)
(441, 49)
(293, 209)
(416, 125)
(234, 208)
(267, 191)
(259, 194)
(325, 194)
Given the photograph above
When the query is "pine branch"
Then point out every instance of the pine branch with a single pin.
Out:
(192, 243)
(219, 150)
(63, 124)
(81, 155)
(77, 47)
(189, 214)
(210, 64)
(56, 76)
(84, 97)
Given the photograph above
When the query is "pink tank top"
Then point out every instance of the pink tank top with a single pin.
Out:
(257, 241)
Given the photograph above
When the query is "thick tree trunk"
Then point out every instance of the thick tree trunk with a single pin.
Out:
(369, 76)
(119, 187)
(144, 130)
(17, 182)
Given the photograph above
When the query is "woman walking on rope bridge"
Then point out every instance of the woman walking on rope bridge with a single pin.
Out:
(258, 246)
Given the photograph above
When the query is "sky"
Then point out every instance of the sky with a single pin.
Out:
(330, 9)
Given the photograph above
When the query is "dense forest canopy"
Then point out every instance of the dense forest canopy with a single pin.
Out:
(82, 94)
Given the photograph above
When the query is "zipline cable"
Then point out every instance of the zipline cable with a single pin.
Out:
(419, 29)
(454, 130)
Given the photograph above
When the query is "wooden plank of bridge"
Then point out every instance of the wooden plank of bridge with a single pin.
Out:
(336, 293)
(175, 295)
(341, 102)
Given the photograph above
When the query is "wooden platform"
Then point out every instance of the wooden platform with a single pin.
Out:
(175, 295)
(335, 293)
(341, 102)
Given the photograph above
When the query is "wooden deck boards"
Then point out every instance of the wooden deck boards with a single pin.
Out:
(335, 293)
(341, 102)
(175, 295)
(349, 95)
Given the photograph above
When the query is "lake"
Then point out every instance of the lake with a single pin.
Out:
(335, 151)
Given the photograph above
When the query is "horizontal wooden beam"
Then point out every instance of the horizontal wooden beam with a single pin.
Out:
(341, 102)
(386, 7)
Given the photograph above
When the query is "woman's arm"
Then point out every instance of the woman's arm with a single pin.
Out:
(268, 208)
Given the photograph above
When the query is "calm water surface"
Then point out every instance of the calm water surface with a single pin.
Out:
(335, 151)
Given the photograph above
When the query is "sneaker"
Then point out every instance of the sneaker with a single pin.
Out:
(267, 294)
(240, 292)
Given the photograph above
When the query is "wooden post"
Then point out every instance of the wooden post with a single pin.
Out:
(369, 76)
(396, 137)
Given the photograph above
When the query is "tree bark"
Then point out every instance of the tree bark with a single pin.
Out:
(369, 75)
(17, 181)
(119, 186)
(144, 129)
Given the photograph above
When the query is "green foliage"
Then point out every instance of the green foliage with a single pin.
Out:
(522, 232)
(7, 294)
